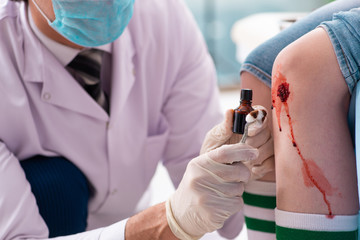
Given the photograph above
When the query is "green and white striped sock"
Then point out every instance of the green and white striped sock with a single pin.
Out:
(260, 202)
(301, 226)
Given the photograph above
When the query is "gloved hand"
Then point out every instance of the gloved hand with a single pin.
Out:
(259, 136)
(210, 191)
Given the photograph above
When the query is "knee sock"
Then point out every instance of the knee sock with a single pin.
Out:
(296, 226)
(260, 202)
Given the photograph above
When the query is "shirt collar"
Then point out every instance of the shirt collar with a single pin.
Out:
(63, 53)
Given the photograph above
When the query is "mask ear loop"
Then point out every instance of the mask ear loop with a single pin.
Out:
(42, 13)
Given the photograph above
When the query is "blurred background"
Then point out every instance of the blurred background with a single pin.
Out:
(216, 19)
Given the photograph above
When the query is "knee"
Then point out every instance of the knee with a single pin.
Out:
(285, 82)
(311, 69)
(311, 55)
(290, 62)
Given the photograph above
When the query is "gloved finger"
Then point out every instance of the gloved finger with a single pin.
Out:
(219, 134)
(234, 189)
(260, 171)
(234, 139)
(265, 151)
(223, 173)
(229, 205)
(259, 139)
(229, 154)
(225, 190)
(222, 209)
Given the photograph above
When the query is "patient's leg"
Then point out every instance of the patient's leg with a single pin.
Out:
(315, 159)
(315, 162)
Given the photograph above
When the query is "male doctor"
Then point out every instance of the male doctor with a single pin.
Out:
(91, 102)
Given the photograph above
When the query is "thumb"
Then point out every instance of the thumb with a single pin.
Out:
(229, 154)
(260, 170)
(219, 134)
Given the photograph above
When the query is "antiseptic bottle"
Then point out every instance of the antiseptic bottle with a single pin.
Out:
(241, 112)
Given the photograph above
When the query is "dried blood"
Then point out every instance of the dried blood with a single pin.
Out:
(312, 174)
(283, 91)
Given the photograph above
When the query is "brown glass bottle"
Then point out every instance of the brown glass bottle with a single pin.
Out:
(241, 112)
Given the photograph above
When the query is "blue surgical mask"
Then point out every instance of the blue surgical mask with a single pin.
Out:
(90, 23)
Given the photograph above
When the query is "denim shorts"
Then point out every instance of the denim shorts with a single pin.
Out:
(344, 33)
(260, 61)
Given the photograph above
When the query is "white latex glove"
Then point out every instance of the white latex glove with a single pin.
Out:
(210, 191)
(259, 136)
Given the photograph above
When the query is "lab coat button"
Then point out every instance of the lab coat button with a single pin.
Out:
(134, 72)
(108, 125)
(114, 191)
(46, 96)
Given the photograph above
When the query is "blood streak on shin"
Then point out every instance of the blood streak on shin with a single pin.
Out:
(312, 174)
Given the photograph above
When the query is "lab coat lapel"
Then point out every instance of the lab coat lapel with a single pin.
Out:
(123, 73)
(59, 87)
(66, 92)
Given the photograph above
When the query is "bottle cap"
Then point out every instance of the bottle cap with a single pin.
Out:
(246, 94)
